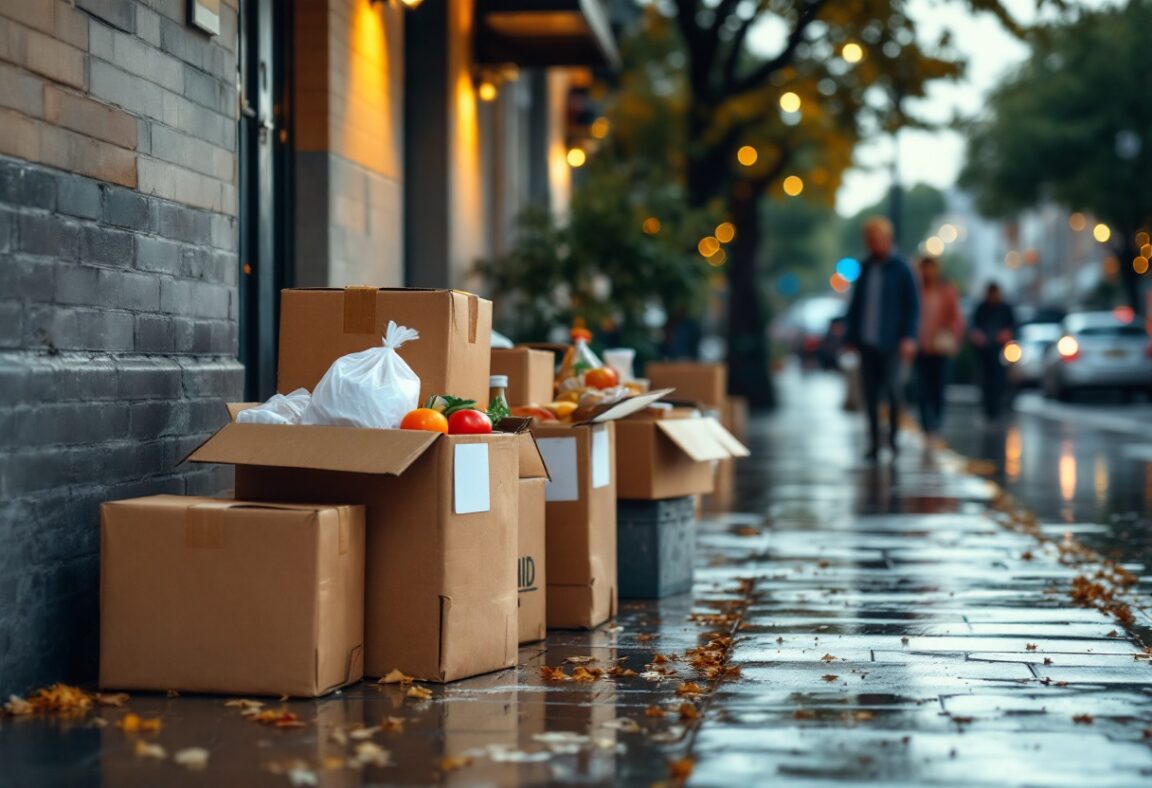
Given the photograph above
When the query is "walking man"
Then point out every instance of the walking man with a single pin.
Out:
(882, 323)
(993, 327)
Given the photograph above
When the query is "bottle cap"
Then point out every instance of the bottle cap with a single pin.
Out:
(581, 333)
(498, 381)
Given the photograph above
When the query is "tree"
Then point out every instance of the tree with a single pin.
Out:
(922, 204)
(1074, 125)
(852, 65)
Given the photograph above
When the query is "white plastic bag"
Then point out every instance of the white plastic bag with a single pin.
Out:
(372, 388)
(280, 409)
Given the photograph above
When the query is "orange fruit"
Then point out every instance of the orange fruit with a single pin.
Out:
(601, 378)
(425, 419)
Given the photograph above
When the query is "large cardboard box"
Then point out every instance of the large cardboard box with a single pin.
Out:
(319, 325)
(209, 595)
(670, 457)
(441, 535)
(734, 417)
(531, 374)
(703, 383)
(531, 566)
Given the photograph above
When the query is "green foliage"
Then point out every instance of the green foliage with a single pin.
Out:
(1073, 124)
(922, 204)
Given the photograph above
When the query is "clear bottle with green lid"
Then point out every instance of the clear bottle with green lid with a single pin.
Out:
(498, 398)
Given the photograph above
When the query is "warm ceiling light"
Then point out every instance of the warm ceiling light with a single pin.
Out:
(577, 157)
(487, 90)
(410, 3)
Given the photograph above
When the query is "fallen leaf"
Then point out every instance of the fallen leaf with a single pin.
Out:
(862, 715)
(554, 674)
(804, 714)
(115, 699)
(829, 677)
(579, 660)
(18, 707)
(644, 637)
(393, 724)
(1047, 660)
(747, 530)
(689, 688)
(585, 675)
(371, 754)
(904, 641)
(617, 670)
(451, 764)
(1083, 719)
(1026, 555)
(1029, 646)
(827, 658)
(134, 723)
(244, 704)
(191, 758)
(623, 724)
(394, 676)
(420, 693)
(333, 762)
(963, 720)
(56, 699)
(150, 750)
(279, 718)
(655, 712)
(681, 769)
(688, 712)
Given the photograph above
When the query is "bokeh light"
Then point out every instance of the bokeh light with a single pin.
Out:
(1077, 222)
(487, 91)
(1012, 353)
(725, 232)
(948, 233)
(788, 285)
(790, 102)
(747, 155)
(708, 246)
(718, 258)
(934, 246)
(651, 225)
(793, 185)
(1102, 232)
(600, 128)
(838, 283)
(577, 157)
(852, 52)
(1012, 259)
(849, 268)
(1140, 265)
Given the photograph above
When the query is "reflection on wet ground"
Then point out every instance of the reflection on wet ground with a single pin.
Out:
(891, 632)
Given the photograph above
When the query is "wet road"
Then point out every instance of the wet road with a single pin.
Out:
(1086, 465)
(849, 624)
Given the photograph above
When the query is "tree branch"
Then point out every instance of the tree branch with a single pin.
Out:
(737, 44)
(757, 76)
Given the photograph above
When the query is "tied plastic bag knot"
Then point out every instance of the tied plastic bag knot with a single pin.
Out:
(395, 336)
(373, 388)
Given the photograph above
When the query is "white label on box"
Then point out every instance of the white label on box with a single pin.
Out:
(601, 458)
(470, 477)
(560, 458)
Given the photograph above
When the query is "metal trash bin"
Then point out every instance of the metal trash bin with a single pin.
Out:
(655, 547)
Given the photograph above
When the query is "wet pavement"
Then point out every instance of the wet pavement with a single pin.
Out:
(886, 627)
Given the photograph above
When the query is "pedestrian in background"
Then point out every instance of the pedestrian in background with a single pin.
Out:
(881, 324)
(941, 332)
(993, 326)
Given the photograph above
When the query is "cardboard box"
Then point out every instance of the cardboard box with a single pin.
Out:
(703, 383)
(734, 417)
(581, 523)
(531, 374)
(441, 531)
(319, 325)
(531, 566)
(209, 595)
(670, 457)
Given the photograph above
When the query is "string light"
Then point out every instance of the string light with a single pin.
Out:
(1102, 232)
(747, 155)
(725, 232)
(793, 185)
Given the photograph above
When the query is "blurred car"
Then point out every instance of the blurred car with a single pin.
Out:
(828, 354)
(1099, 350)
(804, 326)
(1025, 356)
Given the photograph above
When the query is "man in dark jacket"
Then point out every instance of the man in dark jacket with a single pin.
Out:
(882, 321)
(993, 326)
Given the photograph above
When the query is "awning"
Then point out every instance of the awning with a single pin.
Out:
(544, 33)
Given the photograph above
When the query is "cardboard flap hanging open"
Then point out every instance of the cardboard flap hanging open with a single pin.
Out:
(531, 461)
(727, 439)
(694, 438)
(625, 407)
(348, 449)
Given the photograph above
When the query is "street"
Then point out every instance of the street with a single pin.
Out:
(895, 624)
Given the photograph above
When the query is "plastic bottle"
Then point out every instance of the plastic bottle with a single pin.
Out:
(578, 359)
(498, 398)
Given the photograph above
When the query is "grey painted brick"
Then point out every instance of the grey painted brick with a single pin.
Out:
(224, 234)
(133, 93)
(77, 196)
(148, 25)
(209, 91)
(26, 186)
(105, 246)
(71, 423)
(11, 324)
(202, 337)
(126, 208)
(155, 334)
(206, 415)
(220, 379)
(71, 377)
(129, 290)
(224, 338)
(210, 300)
(7, 229)
(118, 13)
(176, 296)
(148, 379)
(45, 234)
(183, 224)
(13, 379)
(163, 256)
(77, 284)
(102, 329)
(30, 278)
(156, 418)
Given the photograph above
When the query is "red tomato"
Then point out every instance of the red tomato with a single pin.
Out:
(469, 422)
(425, 419)
(601, 378)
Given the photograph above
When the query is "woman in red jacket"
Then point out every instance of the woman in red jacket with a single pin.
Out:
(941, 330)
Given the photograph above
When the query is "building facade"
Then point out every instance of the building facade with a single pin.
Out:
(166, 166)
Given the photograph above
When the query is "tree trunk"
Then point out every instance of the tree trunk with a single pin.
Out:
(748, 352)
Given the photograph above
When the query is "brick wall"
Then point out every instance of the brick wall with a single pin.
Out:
(348, 69)
(118, 302)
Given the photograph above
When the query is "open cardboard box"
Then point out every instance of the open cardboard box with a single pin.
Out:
(581, 514)
(442, 524)
(452, 355)
(210, 595)
(671, 456)
(701, 382)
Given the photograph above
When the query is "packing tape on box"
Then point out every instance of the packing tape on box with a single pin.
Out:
(359, 309)
(473, 314)
(201, 529)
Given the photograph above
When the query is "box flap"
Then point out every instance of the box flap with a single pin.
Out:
(626, 407)
(531, 462)
(347, 449)
(236, 407)
(727, 439)
(695, 438)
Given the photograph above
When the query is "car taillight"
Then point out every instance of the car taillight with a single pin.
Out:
(1013, 352)
(1068, 348)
